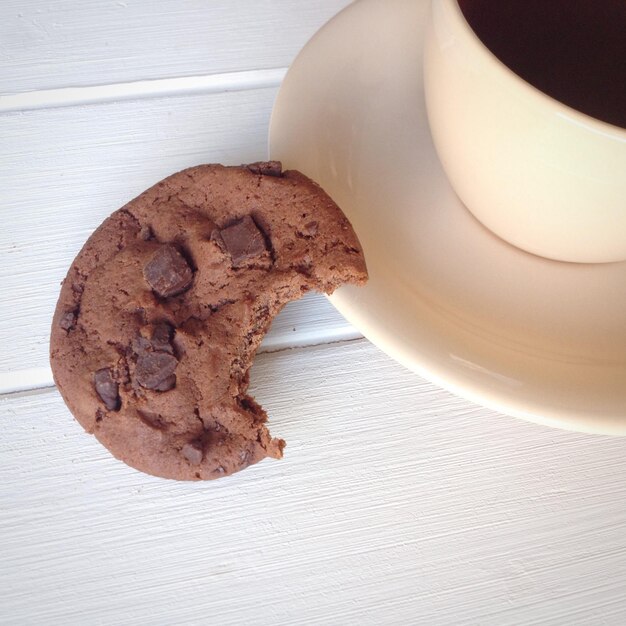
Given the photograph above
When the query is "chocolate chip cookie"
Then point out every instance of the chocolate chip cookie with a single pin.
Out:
(163, 309)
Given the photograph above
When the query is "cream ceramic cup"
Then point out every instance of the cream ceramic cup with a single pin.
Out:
(544, 177)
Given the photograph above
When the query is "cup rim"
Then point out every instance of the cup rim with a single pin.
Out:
(571, 114)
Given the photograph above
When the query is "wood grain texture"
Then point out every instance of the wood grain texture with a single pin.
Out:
(396, 503)
(62, 171)
(66, 43)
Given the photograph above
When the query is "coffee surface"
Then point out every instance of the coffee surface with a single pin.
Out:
(572, 50)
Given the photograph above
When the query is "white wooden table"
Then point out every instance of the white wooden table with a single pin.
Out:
(396, 502)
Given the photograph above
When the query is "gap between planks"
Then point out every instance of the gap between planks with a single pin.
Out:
(137, 90)
(39, 379)
(36, 379)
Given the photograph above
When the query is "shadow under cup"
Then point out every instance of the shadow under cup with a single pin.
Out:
(527, 105)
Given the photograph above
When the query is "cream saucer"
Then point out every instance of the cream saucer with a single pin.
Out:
(534, 338)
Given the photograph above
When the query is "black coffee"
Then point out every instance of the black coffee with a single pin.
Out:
(573, 50)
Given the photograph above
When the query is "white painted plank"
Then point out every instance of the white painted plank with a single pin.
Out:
(66, 43)
(396, 503)
(62, 171)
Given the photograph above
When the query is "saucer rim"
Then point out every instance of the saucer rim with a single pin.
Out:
(528, 409)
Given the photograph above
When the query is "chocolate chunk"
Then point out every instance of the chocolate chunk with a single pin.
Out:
(167, 384)
(161, 338)
(155, 362)
(193, 453)
(107, 389)
(267, 168)
(141, 345)
(167, 272)
(155, 369)
(68, 320)
(243, 240)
